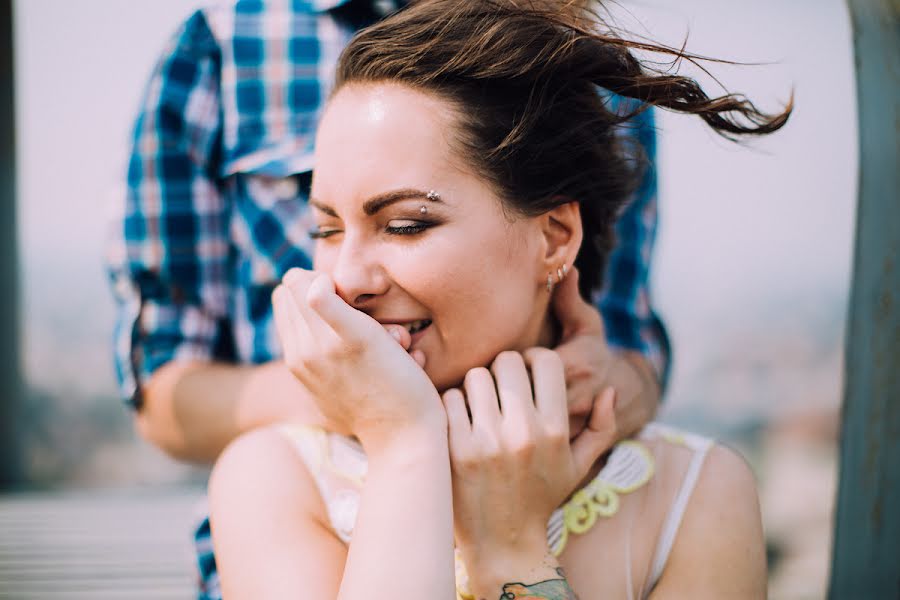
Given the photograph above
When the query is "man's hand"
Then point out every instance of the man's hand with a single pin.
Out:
(591, 366)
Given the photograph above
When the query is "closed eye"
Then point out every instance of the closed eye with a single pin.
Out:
(407, 227)
(320, 234)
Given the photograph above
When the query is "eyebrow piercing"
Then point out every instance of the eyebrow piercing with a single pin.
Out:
(423, 210)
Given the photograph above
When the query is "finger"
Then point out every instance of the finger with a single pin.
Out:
(598, 436)
(573, 313)
(549, 382)
(399, 333)
(349, 323)
(284, 327)
(298, 281)
(513, 387)
(482, 399)
(293, 322)
(458, 422)
(419, 357)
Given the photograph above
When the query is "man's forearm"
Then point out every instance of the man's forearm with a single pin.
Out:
(192, 410)
(638, 391)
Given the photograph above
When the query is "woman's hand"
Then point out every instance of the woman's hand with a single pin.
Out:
(361, 378)
(513, 463)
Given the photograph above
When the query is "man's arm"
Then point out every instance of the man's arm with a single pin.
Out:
(625, 303)
(171, 269)
(192, 410)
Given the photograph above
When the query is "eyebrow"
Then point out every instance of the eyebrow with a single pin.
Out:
(374, 204)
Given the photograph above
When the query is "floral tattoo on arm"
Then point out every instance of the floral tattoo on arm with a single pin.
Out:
(551, 589)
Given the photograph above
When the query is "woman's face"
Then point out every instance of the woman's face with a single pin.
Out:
(456, 263)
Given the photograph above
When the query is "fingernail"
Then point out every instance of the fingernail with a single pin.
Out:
(394, 333)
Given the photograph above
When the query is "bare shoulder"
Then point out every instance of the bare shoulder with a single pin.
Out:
(719, 551)
(263, 457)
(267, 519)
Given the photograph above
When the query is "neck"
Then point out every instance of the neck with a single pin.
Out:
(550, 332)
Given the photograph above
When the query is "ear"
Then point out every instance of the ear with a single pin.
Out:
(561, 234)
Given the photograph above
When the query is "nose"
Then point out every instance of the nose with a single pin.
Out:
(359, 277)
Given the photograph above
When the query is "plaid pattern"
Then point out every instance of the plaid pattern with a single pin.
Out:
(215, 209)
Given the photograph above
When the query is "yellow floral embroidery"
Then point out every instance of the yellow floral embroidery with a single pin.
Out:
(600, 498)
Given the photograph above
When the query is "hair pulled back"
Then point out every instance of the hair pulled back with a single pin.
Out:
(524, 79)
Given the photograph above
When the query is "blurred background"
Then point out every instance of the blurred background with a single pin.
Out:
(751, 269)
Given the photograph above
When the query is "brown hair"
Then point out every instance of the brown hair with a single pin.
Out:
(523, 77)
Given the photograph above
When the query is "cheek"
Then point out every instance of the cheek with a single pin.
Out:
(481, 297)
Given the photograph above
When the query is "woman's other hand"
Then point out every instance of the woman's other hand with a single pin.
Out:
(512, 462)
(362, 379)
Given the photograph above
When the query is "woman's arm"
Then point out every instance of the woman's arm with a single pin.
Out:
(363, 380)
(272, 538)
(513, 464)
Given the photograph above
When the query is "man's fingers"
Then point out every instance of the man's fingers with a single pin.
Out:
(573, 313)
(598, 436)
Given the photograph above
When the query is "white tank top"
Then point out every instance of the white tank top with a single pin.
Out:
(339, 465)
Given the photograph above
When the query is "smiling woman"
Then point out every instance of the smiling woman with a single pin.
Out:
(463, 263)
(467, 173)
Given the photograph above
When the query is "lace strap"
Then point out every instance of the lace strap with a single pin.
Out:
(670, 526)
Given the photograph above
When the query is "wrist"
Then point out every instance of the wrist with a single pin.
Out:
(491, 564)
(271, 394)
(422, 440)
(490, 578)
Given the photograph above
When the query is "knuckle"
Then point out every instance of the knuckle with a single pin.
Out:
(491, 450)
(315, 299)
(523, 448)
(556, 436)
(465, 462)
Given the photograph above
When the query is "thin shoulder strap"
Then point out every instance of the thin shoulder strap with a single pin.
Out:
(311, 443)
(670, 526)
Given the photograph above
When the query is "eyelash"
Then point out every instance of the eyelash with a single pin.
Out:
(418, 227)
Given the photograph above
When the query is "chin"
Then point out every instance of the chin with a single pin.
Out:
(444, 381)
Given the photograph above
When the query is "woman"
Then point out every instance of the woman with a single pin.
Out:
(465, 168)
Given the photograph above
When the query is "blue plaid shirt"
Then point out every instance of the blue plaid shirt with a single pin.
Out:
(215, 210)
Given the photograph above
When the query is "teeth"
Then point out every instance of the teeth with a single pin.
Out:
(417, 325)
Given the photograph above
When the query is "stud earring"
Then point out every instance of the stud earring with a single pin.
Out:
(562, 272)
